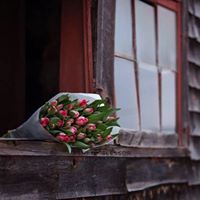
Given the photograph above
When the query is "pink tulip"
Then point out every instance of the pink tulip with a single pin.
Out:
(60, 123)
(91, 127)
(63, 113)
(108, 138)
(63, 137)
(44, 121)
(69, 122)
(82, 103)
(81, 121)
(74, 113)
(60, 106)
(72, 138)
(70, 106)
(89, 110)
(81, 136)
(54, 103)
(73, 130)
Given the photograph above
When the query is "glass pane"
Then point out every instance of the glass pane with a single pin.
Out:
(145, 32)
(125, 93)
(123, 28)
(168, 101)
(148, 88)
(166, 38)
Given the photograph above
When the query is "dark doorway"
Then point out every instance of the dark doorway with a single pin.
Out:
(42, 52)
(45, 48)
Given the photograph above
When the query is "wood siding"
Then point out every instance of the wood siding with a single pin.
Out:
(194, 75)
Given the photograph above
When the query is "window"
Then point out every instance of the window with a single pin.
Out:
(147, 65)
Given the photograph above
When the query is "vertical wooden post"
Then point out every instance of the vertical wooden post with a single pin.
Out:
(76, 47)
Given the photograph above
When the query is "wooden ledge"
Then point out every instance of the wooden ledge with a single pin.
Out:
(39, 148)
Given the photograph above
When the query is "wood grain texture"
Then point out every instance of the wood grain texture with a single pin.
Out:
(104, 76)
(193, 61)
(41, 170)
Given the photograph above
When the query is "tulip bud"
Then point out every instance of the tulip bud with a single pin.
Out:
(60, 123)
(52, 110)
(72, 138)
(108, 138)
(63, 137)
(63, 113)
(60, 106)
(44, 121)
(89, 110)
(70, 106)
(81, 121)
(54, 103)
(69, 122)
(73, 130)
(82, 103)
(74, 113)
(81, 136)
(91, 127)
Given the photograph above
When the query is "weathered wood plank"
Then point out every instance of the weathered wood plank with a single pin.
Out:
(104, 55)
(36, 148)
(131, 138)
(142, 174)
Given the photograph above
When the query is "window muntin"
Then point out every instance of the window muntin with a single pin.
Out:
(155, 66)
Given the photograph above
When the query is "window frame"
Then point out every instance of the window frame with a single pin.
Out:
(175, 7)
(106, 20)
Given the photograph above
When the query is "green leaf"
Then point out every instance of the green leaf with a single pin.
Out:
(96, 117)
(102, 127)
(81, 145)
(112, 123)
(44, 109)
(64, 99)
(54, 132)
(69, 148)
(107, 132)
(96, 103)
(54, 120)
(66, 131)
(59, 115)
(103, 108)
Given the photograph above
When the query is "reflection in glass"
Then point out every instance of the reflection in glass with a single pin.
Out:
(149, 101)
(166, 38)
(168, 101)
(123, 28)
(125, 93)
(145, 32)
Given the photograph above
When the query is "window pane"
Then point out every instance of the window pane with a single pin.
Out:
(166, 38)
(168, 101)
(123, 28)
(145, 32)
(125, 93)
(148, 84)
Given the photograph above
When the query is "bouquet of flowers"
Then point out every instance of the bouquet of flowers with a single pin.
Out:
(82, 122)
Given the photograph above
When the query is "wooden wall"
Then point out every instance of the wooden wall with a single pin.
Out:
(194, 75)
